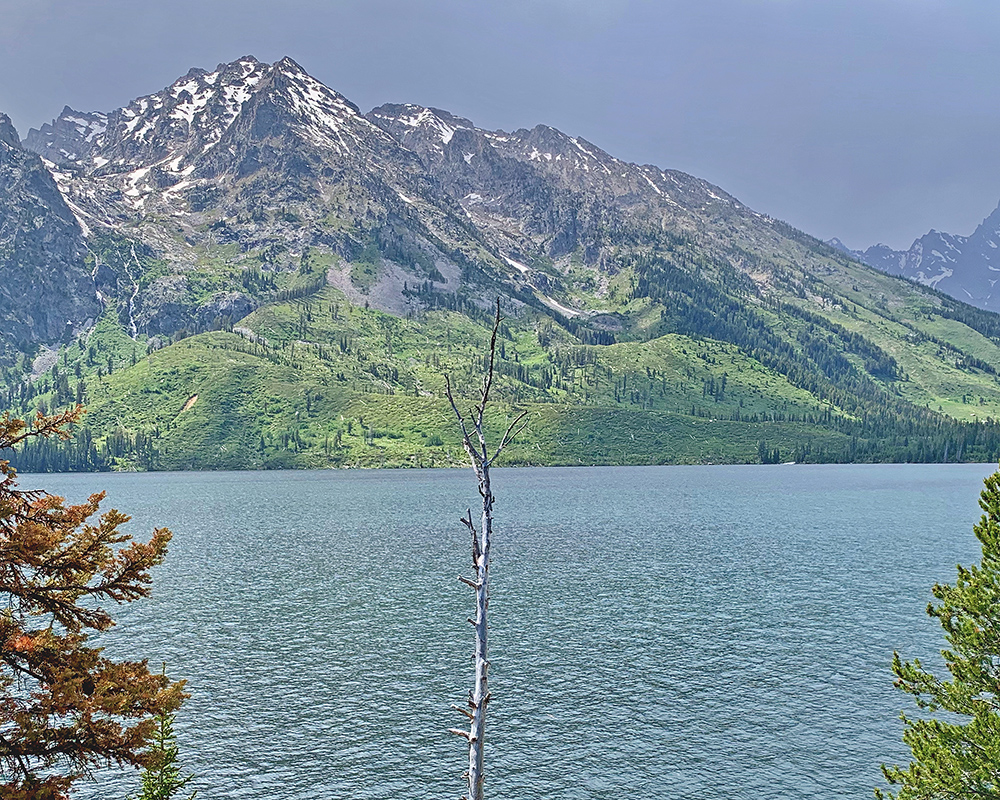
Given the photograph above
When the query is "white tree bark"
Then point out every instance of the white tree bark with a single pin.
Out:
(481, 459)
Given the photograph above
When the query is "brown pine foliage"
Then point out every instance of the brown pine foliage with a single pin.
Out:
(64, 707)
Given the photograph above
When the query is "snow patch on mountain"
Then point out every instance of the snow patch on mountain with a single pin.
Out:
(428, 117)
(516, 265)
(555, 305)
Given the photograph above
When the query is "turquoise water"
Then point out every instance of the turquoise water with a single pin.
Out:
(683, 632)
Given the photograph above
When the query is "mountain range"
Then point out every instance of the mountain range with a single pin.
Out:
(245, 270)
(966, 267)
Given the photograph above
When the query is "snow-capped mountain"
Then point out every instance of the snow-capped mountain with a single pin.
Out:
(966, 267)
(263, 157)
(176, 127)
(266, 159)
(202, 126)
(68, 137)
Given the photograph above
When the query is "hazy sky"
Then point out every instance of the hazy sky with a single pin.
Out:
(871, 120)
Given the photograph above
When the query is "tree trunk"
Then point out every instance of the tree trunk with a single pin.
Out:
(481, 694)
(481, 460)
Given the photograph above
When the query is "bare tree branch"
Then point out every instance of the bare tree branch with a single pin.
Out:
(488, 378)
(466, 440)
(510, 435)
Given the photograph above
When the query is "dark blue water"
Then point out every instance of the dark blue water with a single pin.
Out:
(681, 632)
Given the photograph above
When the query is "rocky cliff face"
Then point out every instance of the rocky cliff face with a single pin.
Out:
(46, 291)
(67, 139)
(541, 193)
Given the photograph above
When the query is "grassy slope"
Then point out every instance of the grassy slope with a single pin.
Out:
(905, 325)
(367, 391)
(319, 382)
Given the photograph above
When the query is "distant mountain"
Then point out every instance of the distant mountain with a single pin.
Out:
(966, 267)
(244, 270)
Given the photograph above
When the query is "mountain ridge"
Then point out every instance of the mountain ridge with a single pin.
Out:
(965, 267)
(309, 272)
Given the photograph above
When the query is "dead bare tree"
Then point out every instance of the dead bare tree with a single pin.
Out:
(482, 460)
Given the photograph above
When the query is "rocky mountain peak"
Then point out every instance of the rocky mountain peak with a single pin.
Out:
(170, 131)
(162, 129)
(966, 267)
(408, 122)
(290, 67)
(991, 224)
(8, 135)
(68, 137)
(319, 114)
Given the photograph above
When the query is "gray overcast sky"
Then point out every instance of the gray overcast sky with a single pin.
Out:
(871, 120)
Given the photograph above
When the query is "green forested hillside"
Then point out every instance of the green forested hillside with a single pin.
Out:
(316, 381)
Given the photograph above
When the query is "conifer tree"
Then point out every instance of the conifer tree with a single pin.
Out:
(161, 780)
(65, 708)
(956, 754)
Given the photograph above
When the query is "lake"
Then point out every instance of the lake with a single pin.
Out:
(676, 632)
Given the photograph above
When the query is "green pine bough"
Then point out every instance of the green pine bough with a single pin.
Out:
(956, 754)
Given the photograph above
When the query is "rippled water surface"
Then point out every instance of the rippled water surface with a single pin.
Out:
(674, 632)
